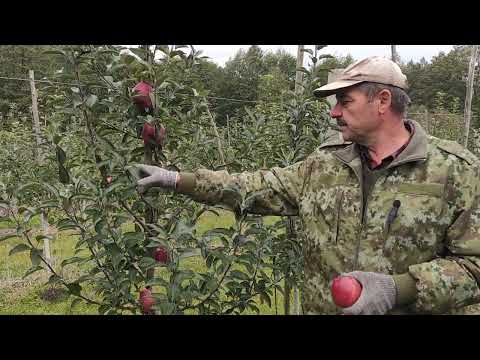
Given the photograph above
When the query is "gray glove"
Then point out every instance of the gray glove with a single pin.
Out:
(154, 176)
(378, 294)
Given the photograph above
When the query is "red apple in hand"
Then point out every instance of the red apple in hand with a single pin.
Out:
(142, 95)
(147, 300)
(345, 291)
(161, 255)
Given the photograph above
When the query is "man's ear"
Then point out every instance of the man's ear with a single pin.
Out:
(385, 100)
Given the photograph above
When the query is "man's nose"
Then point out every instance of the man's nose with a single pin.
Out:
(336, 111)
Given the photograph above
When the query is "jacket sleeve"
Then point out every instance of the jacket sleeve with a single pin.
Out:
(265, 192)
(453, 281)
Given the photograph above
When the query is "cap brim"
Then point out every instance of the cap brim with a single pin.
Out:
(333, 87)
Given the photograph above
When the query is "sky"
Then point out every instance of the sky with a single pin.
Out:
(221, 53)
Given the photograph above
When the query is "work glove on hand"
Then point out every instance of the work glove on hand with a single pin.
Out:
(378, 294)
(154, 176)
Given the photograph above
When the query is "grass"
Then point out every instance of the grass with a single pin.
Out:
(30, 295)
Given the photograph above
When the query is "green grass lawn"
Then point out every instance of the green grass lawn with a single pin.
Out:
(32, 296)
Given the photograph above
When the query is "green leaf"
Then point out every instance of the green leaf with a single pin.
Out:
(264, 297)
(183, 275)
(71, 260)
(209, 261)
(132, 238)
(19, 248)
(113, 187)
(54, 279)
(32, 270)
(66, 224)
(166, 308)
(83, 197)
(35, 257)
(43, 237)
(32, 184)
(116, 254)
(157, 281)
(211, 284)
(161, 234)
(74, 303)
(77, 100)
(52, 189)
(100, 224)
(93, 212)
(228, 232)
(147, 262)
(325, 57)
(74, 288)
(5, 237)
(54, 52)
(61, 156)
(63, 174)
(254, 308)
(182, 229)
(239, 275)
(48, 204)
(92, 99)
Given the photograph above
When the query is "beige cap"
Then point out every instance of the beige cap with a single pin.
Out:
(373, 69)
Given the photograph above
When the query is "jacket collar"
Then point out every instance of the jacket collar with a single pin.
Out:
(416, 150)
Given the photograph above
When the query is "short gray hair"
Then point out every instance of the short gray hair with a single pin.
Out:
(400, 99)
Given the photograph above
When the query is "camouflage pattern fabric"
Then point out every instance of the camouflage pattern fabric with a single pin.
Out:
(435, 236)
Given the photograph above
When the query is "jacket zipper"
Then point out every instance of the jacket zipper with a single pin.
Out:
(362, 215)
(339, 207)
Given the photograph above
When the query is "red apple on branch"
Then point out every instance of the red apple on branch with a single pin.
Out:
(147, 300)
(148, 133)
(142, 92)
(161, 255)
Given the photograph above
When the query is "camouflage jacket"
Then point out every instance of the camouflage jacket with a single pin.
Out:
(435, 236)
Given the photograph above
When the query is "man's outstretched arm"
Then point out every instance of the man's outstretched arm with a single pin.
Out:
(266, 192)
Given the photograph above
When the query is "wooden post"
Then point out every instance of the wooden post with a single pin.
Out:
(469, 95)
(394, 54)
(299, 74)
(215, 131)
(38, 156)
(292, 220)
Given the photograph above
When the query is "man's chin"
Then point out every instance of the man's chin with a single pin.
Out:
(345, 133)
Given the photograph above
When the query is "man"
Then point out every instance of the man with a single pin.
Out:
(389, 205)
